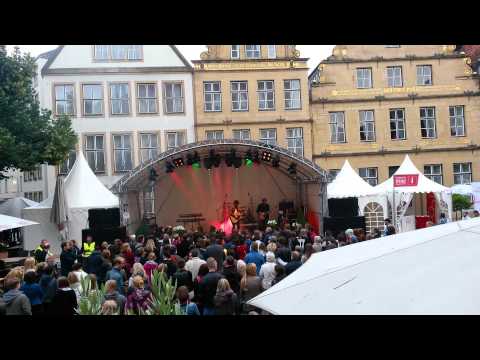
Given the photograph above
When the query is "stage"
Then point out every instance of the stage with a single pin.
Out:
(203, 180)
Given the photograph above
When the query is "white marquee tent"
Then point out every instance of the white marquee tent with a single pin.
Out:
(83, 191)
(10, 222)
(348, 183)
(14, 206)
(428, 271)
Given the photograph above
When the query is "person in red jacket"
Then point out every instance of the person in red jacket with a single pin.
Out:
(127, 253)
(241, 249)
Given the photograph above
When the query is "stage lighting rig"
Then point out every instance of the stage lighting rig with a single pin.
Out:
(178, 162)
(193, 160)
(230, 158)
(266, 156)
(169, 167)
(276, 161)
(207, 162)
(215, 159)
(248, 158)
(292, 169)
(256, 157)
(152, 177)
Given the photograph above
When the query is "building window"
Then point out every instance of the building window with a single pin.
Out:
(175, 139)
(462, 173)
(36, 196)
(337, 127)
(214, 134)
(120, 99)
(64, 100)
(364, 78)
(370, 175)
(427, 122)
(95, 151)
(149, 201)
(147, 98)
(394, 76)
(268, 136)
(212, 96)
(266, 95)
(272, 51)
(117, 52)
(173, 98)
(148, 147)
(122, 152)
(235, 52)
(292, 94)
(239, 91)
(92, 99)
(252, 51)
(424, 75)
(295, 140)
(392, 170)
(241, 134)
(367, 125)
(333, 173)
(66, 166)
(434, 172)
(397, 124)
(457, 121)
(33, 175)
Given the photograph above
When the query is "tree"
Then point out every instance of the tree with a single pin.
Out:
(28, 135)
(460, 202)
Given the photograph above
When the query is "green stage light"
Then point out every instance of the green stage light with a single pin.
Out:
(196, 165)
(249, 162)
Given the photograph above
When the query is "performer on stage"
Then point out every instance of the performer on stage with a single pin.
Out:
(263, 212)
(235, 215)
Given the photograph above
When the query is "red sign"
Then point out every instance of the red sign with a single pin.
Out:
(405, 180)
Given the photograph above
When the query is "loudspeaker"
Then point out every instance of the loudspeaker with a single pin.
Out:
(102, 218)
(340, 224)
(108, 234)
(347, 207)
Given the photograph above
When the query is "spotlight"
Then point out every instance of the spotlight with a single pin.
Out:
(292, 169)
(266, 156)
(193, 160)
(169, 167)
(230, 158)
(153, 175)
(207, 162)
(237, 162)
(189, 159)
(248, 158)
(178, 162)
(276, 161)
(215, 159)
(256, 157)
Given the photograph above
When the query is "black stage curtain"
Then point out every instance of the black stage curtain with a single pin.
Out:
(108, 234)
(103, 218)
(347, 207)
(340, 224)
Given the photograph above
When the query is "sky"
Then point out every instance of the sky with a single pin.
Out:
(316, 53)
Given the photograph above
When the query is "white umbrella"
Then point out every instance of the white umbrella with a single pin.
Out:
(10, 222)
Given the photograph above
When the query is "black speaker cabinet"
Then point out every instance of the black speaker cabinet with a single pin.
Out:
(347, 207)
(101, 218)
(340, 224)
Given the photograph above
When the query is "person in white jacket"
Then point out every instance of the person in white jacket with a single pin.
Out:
(194, 263)
(267, 271)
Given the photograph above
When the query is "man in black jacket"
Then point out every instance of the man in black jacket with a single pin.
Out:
(283, 253)
(94, 263)
(216, 251)
(67, 258)
(294, 264)
(208, 287)
(182, 276)
(231, 274)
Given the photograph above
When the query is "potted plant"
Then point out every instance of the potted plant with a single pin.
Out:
(3, 251)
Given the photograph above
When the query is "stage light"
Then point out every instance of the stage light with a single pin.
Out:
(189, 159)
(230, 158)
(169, 167)
(215, 159)
(207, 162)
(153, 175)
(292, 169)
(178, 162)
(248, 158)
(276, 161)
(256, 157)
(193, 160)
(248, 163)
(196, 165)
(237, 162)
(266, 156)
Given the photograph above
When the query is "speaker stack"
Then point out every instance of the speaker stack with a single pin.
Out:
(104, 226)
(343, 215)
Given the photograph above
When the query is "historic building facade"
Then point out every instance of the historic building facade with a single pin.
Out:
(373, 104)
(257, 92)
(127, 103)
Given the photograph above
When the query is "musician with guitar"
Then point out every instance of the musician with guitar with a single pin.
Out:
(235, 215)
(263, 211)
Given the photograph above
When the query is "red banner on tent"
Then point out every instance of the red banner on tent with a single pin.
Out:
(405, 180)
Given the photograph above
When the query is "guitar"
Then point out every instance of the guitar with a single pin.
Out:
(235, 216)
(262, 215)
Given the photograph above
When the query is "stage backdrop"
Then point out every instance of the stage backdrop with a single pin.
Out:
(188, 190)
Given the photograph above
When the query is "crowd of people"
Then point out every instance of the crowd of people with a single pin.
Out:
(215, 274)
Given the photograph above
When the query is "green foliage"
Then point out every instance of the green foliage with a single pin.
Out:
(28, 135)
(90, 300)
(301, 217)
(461, 202)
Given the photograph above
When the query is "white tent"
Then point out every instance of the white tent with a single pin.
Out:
(14, 206)
(428, 271)
(10, 222)
(83, 191)
(348, 183)
(462, 189)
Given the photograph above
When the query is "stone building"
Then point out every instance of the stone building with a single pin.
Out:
(256, 92)
(373, 104)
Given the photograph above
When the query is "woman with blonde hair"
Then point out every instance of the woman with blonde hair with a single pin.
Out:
(150, 246)
(110, 307)
(75, 285)
(225, 299)
(137, 270)
(29, 264)
(271, 247)
(16, 272)
(251, 286)
(139, 298)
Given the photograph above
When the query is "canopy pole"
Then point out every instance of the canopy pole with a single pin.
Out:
(394, 210)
